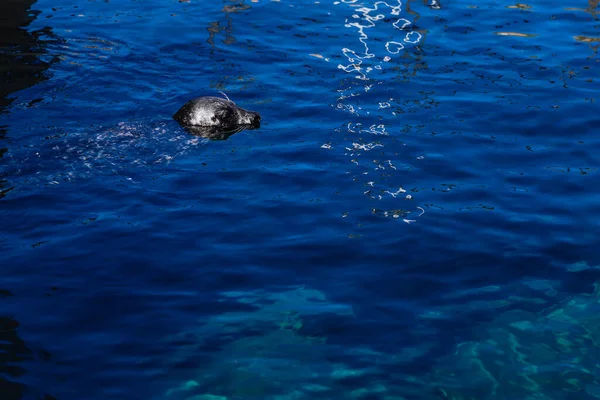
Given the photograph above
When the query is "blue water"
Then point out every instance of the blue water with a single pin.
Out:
(416, 218)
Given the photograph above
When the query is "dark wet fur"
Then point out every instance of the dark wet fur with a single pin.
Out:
(227, 118)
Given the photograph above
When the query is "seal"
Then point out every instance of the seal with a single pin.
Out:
(215, 118)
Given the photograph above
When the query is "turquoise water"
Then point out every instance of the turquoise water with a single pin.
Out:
(416, 217)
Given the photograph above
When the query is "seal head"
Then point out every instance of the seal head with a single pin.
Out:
(215, 118)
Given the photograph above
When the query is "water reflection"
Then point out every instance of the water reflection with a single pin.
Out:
(414, 61)
(390, 50)
(593, 8)
(215, 27)
(369, 57)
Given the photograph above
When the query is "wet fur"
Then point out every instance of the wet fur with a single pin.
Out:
(215, 118)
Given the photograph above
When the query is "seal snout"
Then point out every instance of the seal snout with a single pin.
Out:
(250, 118)
(254, 119)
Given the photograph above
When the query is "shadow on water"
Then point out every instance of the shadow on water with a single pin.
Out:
(13, 351)
(20, 64)
(20, 68)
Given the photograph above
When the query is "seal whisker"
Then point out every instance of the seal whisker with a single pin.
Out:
(224, 95)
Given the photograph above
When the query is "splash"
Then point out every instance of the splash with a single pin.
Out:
(130, 150)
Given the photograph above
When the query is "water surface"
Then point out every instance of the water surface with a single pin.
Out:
(416, 218)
